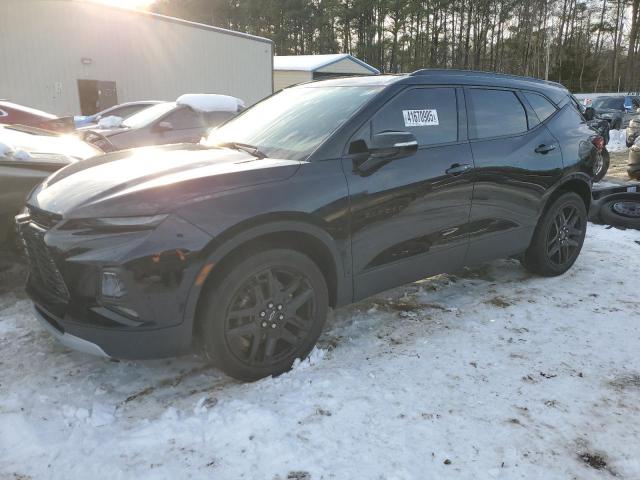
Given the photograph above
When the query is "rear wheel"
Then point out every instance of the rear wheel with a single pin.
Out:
(266, 311)
(558, 238)
(601, 165)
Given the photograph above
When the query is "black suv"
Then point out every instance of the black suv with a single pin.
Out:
(318, 196)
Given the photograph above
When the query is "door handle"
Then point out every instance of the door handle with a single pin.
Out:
(544, 148)
(458, 168)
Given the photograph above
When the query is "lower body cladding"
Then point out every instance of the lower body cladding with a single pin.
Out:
(120, 294)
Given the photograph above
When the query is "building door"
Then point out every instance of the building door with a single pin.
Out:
(96, 95)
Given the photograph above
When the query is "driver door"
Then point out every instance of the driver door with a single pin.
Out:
(409, 216)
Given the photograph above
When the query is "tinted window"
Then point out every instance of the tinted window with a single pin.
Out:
(183, 118)
(543, 107)
(429, 113)
(494, 113)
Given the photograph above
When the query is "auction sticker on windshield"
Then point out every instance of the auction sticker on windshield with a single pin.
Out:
(420, 118)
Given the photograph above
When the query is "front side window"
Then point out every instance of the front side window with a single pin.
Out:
(543, 107)
(494, 113)
(292, 123)
(431, 114)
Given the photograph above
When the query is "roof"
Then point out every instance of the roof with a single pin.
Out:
(554, 91)
(311, 63)
(179, 21)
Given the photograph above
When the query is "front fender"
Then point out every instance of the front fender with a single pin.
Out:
(236, 236)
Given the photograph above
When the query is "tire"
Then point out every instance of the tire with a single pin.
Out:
(621, 210)
(558, 237)
(263, 312)
(601, 165)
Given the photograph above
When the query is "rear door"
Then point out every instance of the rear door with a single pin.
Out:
(409, 217)
(516, 160)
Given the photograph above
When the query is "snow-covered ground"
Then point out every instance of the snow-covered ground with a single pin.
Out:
(492, 374)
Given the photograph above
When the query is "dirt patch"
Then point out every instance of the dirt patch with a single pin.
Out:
(618, 166)
(499, 302)
(628, 381)
(594, 460)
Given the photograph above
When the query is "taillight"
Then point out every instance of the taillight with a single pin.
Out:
(598, 142)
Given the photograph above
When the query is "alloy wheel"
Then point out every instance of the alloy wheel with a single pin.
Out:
(565, 233)
(269, 316)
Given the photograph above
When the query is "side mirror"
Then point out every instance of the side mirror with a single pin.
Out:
(385, 147)
(393, 144)
(165, 126)
(589, 114)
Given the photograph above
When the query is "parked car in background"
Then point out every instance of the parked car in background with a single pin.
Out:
(186, 120)
(618, 111)
(27, 157)
(14, 114)
(633, 130)
(320, 195)
(123, 111)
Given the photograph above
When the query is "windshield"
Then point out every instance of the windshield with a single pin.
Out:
(293, 123)
(614, 103)
(148, 115)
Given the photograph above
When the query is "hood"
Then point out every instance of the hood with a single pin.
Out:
(46, 148)
(152, 180)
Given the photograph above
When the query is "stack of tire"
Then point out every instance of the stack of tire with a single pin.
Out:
(621, 209)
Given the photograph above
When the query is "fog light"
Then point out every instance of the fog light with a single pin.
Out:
(112, 285)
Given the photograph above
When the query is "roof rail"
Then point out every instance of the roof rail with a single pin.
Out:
(457, 71)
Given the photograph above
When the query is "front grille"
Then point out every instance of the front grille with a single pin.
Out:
(44, 273)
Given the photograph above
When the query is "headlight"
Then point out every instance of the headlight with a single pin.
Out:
(109, 224)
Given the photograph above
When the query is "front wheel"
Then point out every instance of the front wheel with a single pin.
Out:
(558, 237)
(265, 311)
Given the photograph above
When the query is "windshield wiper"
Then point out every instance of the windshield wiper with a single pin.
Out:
(245, 147)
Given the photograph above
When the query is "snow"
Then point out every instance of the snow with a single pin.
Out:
(310, 63)
(617, 141)
(6, 150)
(211, 102)
(490, 374)
(112, 121)
(9, 152)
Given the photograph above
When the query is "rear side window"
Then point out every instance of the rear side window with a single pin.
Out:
(543, 107)
(431, 114)
(494, 113)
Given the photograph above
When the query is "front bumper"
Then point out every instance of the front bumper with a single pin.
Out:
(158, 268)
(114, 342)
(68, 340)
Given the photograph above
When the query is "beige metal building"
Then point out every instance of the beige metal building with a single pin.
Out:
(73, 56)
(292, 69)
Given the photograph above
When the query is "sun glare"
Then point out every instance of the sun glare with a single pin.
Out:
(132, 4)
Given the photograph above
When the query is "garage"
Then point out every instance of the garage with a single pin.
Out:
(293, 69)
(73, 56)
